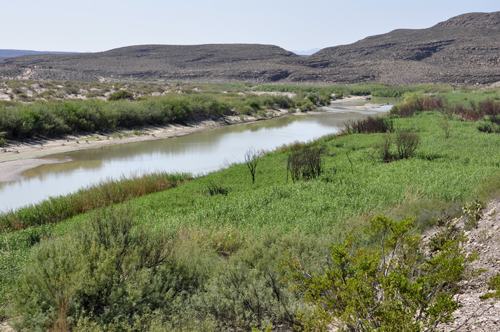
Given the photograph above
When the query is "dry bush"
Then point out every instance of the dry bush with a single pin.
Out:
(305, 163)
(369, 125)
(406, 143)
(489, 107)
(432, 103)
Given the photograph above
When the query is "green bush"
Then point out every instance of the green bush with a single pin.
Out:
(493, 285)
(406, 144)
(307, 106)
(248, 291)
(255, 105)
(3, 141)
(109, 270)
(313, 99)
(120, 94)
(393, 288)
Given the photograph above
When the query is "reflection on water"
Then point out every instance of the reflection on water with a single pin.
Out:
(196, 153)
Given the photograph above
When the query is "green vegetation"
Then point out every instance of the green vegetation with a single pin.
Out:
(361, 89)
(120, 94)
(3, 141)
(87, 199)
(393, 287)
(52, 119)
(204, 255)
(493, 285)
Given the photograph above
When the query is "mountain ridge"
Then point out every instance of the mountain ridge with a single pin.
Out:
(464, 49)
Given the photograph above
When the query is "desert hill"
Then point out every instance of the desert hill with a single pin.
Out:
(176, 62)
(462, 50)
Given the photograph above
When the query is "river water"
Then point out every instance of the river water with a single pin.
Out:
(197, 153)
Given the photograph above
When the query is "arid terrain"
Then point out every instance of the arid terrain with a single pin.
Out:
(461, 50)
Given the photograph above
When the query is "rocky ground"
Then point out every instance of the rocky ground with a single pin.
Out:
(475, 314)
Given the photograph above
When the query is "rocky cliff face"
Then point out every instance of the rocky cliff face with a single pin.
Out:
(464, 50)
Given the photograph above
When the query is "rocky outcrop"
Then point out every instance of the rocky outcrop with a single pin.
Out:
(475, 314)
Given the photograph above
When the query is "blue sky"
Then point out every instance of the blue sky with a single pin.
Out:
(92, 25)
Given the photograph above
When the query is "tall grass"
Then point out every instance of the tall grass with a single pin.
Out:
(105, 193)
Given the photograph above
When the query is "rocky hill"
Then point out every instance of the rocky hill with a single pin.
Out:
(171, 62)
(462, 50)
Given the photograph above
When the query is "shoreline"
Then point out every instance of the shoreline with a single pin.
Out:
(24, 155)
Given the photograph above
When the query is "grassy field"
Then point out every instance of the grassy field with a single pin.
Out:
(217, 267)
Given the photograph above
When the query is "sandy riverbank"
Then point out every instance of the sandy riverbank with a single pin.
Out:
(21, 156)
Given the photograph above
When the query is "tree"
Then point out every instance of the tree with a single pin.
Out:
(252, 157)
(395, 287)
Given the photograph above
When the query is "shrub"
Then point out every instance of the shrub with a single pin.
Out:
(493, 285)
(432, 103)
(406, 143)
(109, 271)
(254, 105)
(305, 163)
(312, 98)
(3, 141)
(488, 127)
(416, 104)
(489, 107)
(384, 148)
(442, 237)
(120, 94)
(473, 211)
(370, 125)
(248, 292)
(307, 106)
(393, 288)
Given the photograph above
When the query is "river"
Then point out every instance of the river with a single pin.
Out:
(197, 153)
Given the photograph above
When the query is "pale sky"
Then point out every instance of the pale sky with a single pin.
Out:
(100, 25)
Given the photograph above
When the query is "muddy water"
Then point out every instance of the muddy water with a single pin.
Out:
(196, 153)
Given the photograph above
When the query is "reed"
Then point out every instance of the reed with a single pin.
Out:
(105, 193)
